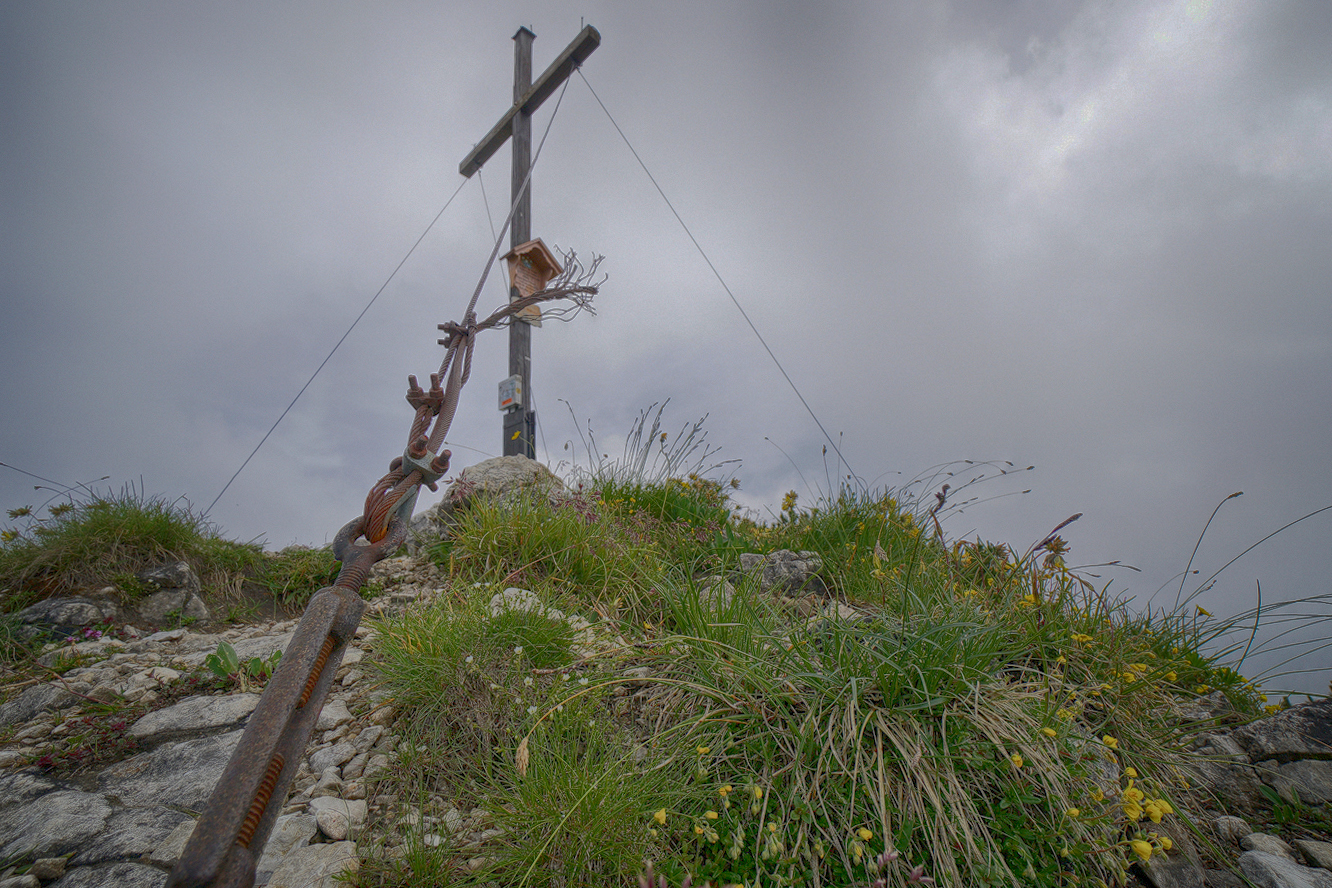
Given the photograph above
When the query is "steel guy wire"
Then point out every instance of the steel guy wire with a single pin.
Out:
(717, 274)
(335, 348)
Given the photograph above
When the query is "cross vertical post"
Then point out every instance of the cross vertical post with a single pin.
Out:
(519, 421)
(520, 430)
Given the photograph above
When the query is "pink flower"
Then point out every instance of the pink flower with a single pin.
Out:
(917, 876)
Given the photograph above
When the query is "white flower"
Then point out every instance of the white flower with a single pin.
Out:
(531, 710)
(582, 680)
(468, 659)
(528, 681)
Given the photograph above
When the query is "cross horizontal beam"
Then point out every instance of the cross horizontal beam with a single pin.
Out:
(583, 46)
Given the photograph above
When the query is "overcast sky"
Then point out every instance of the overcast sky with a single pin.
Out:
(1094, 238)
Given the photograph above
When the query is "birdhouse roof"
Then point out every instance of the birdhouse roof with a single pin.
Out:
(538, 255)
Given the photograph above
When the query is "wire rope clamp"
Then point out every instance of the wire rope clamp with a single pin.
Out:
(418, 458)
(418, 397)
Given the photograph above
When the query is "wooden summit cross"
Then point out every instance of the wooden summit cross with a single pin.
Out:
(519, 421)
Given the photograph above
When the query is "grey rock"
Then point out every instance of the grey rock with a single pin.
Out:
(1220, 745)
(499, 477)
(166, 636)
(502, 477)
(62, 616)
(368, 738)
(331, 757)
(515, 599)
(338, 818)
(1181, 867)
(1303, 731)
(180, 775)
(790, 572)
(122, 875)
(169, 604)
(1269, 871)
(315, 866)
(196, 714)
(1213, 707)
(1231, 829)
(17, 787)
(170, 575)
(48, 868)
(1268, 845)
(1317, 853)
(1237, 782)
(356, 767)
(129, 833)
(329, 783)
(27, 880)
(168, 851)
(1224, 879)
(333, 715)
(1311, 780)
(246, 649)
(291, 831)
(52, 825)
(1172, 872)
(261, 646)
(36, 699)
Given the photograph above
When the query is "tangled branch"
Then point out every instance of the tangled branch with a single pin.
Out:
(574, 289)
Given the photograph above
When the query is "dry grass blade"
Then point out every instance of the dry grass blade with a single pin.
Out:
(522, 757)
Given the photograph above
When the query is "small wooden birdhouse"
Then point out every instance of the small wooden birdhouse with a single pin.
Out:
(531, 266)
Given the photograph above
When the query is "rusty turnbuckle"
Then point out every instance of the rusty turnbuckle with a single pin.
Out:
(229, 837)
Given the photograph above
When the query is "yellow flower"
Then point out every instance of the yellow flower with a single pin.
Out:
(711, 815)
(1016, 759)
(724, 790)
(698, 830)
(1171, 676)
(758, 793)
(1141, 848)
(1073, 812)
(1133, 794)
(1049, 732)
(1130, 677)
(1153, 812)
(1164, 806)
(865, 835)
(1110, 741)
(1133, 811)
(660, 817)
(1065, 714)
(1138, 667)
(1166, 843)
(1097, 795)
(703, 750)
(1029, 600)
(1080, 638)
(1061, 659)
(1130, 772)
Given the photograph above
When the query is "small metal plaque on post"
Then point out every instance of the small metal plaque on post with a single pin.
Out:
(511, 393)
